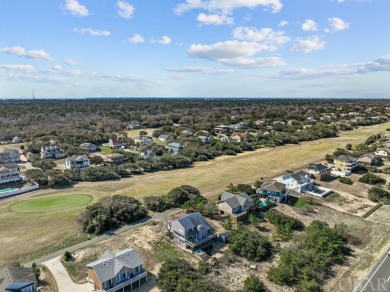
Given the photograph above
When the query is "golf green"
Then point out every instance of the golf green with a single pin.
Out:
(51, 204)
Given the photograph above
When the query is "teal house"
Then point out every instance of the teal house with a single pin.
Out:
(274, 191)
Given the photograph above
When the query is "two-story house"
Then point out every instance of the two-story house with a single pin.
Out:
(174, 147)
(52, 151)
(344, 164)
(9, 156)
(143, 140)
(236, 206)
(193, 232)
(115, 158)
(165, 138)
(238, 136)
(148, 154)
(9, 173)
(206, 139)
(134, 125)
(319, 171)
(368, 159)
(186, 133)
(77, 162)
(298, 181)
(88, 147)
(18, 279)
(226, 139)
(274, 191)
(115, 271)
(116, 142)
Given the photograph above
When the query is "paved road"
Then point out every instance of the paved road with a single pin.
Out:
(106, 235)
(379, 278)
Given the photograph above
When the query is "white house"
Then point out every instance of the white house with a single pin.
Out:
(9, 173)
(382, 152)
(186, 133)
(89, 147)
(148, 154)
(143, 140)
(165, 138)
(77, 162)
(206, 139)
(16, 139)
(51, 151)
(298, 181)
(175, 147)
(9, 156)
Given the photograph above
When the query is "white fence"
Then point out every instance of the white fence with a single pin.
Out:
(19, 191)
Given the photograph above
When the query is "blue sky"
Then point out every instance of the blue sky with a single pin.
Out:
(195, 48)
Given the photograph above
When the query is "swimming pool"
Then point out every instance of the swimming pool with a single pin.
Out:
(8, 190)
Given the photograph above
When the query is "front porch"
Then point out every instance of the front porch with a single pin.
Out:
(129, 282)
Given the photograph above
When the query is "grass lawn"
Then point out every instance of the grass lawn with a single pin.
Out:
(211, 177)
(163, 250)
(42, 205)
(106, 149)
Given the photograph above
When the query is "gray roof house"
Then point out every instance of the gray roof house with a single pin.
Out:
(298, 181)
(89, 147)
(166, 137)
(369, 159)
(9, 156)
(186, 133)
(318, 170)
(175, 147)
(18, 279)
(114, 271)
(148, 153)
(52, 151)
(273, 190)
(77, 162)
(9, 173)
(237, 206)
(193, 232)
(206, 139)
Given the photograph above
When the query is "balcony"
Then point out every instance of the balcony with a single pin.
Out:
(194, 244)
(127, 282)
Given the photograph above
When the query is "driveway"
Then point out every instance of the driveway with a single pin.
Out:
(64, 282)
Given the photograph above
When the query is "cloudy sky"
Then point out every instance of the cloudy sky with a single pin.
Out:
(195, 48)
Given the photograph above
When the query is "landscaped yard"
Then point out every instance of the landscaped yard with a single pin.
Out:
(106, 149)
(50, 204)
(210, 177)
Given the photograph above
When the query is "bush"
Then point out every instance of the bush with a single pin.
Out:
(229, 152)
(378, 194)
(44, 164)
(346, 180)
(155, 203)
(182, 194)
(67, 256)
(250, 245)
(254, 284)
(99, 173)
(280, 219)
(372, 179)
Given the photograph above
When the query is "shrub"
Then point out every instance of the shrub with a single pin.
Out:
(254, 284)
(156, 203)
(346, 180)
(372, 179)
(180, 195)
(250, 245)
(229, 152)
(44, 164)
(280, 219)
(67, 256)
(378, 194)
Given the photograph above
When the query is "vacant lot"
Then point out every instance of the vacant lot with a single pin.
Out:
(42, 230)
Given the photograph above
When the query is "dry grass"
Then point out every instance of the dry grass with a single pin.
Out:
(211, 177)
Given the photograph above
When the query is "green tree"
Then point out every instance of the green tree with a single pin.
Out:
(254, 284)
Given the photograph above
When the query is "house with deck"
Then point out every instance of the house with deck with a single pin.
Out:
(318, 171)
(9, 156)
(117, 271)
(206, 139)
(186, 133)
(77, 162)
(275, 191)
(148, 153)
(174, 147)
(134, 125)
(344, 164)
(368, 159)
(299, 182)
(115, 158)
(52, 151)
(236, 206)
(193, 232)
(116, 142)
(143, 140)
(18, 279)
(88, 147)
(166, 138)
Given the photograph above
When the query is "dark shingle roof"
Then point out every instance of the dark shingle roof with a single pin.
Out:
(193, 220)
(346, 158)
(273, 186)
(317, 166)
(300, 175)
(19, 276)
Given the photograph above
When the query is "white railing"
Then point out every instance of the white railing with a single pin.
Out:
(19, 191)
(128, 282)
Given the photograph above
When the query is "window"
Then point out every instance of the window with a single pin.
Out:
(107, 284)
(118, 277)
(136, 270)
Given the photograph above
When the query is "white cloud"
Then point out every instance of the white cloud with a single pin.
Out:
(235, 53)
(215, 19)
(283, 23)
(125, 10)
(75, 8)
(92, 32)
(338, 23)
(340, 1)
(136, 39)
(22, 68)
(309, 25)
(164, 40)
(307, 45)
(265, 35)
(227, 5)
(177, 76)
(32, 54)
(71, 62)
(199, 69)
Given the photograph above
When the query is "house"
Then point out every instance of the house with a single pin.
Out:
(274, 191)
(259, 122)
(224, 236)
(222, 129)
(165, 138)
(16, 139)
(89, 147)
(319, 171)
(148, 154)
(386, 144)
(51, 151)
(298, 181)
(116, 158)
(226, 139)
(143, 140)
(174, 147)
(116, 142)
(193, 232)
(382, 152)
(368, 159)
(237, 206)
(18, 279)
(186, 133)
(115, 271)
(206, 139)
(343, 165)
(311, 120)
(9, 156)
(134, 125)
(9, 173)
(238, 136)
(77, 162)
